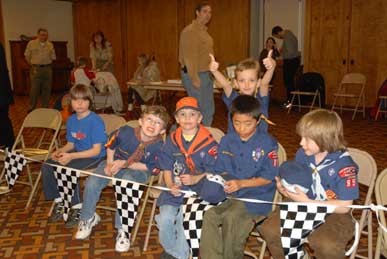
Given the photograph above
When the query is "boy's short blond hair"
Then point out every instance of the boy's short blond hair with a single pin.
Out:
(247, 64)
(323, 127)
(81, 91)
(158, 111)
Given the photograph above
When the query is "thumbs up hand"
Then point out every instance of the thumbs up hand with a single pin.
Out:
(214, 66)
(269, 62)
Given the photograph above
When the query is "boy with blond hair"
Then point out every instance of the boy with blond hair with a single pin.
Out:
(248, 83)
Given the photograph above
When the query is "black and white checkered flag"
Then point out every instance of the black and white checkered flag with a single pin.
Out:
(128, 197)
(13, 165)
(297, 222)
(193, 212)
(67, 179)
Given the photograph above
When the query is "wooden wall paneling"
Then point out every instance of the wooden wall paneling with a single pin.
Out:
(328, 33)
(1, 26)
(104, 15)
(229, 28)
(152, 29)
(368, 44)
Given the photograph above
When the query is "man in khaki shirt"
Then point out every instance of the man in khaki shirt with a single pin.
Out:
(194, 49)
(39, 54)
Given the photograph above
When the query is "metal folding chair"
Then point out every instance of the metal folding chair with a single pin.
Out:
(49, 122)
(357, 82)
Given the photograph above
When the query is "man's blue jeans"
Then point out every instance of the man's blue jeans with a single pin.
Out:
(50, 185)
(95, 185)
(204, 94)
(171, 231)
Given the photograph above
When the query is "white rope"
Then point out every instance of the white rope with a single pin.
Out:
(372, 207)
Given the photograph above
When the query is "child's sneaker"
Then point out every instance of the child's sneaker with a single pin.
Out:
(85, 227)
(57, 213)
(122, 242)
(73, 218)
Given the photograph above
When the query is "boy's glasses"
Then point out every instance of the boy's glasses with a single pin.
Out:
(153, 121)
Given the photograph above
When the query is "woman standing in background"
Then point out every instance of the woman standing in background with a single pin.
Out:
(101, 53)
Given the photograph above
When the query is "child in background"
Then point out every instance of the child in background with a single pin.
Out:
(84, 149)
(188, 154)
(131, 155)
(248, 82)
(335, 183)
(248, 157)
(146, 72)
(82, 74)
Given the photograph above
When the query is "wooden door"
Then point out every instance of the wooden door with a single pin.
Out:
(368, 44)
(152, 29)
(326, 41)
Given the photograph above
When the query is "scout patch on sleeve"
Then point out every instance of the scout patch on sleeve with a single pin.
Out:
(213, 151)
(347, 171)
(350, 182)
(224, 152)
(331, 195)
(274, 158)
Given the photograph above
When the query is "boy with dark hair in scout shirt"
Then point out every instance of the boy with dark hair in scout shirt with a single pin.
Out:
(131, 155)
(187, 155)
(249, 158)
(334, 183)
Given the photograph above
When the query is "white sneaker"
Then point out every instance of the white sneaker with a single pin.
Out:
(85, 227)
(122, 242)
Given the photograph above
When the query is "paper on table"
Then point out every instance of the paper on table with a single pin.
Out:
(174, 81)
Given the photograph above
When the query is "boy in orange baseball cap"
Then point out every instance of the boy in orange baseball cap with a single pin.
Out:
(188, 154)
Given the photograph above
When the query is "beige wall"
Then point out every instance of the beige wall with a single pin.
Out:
(26, 16)
(287, 14)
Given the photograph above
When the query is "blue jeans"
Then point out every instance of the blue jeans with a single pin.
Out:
(171, 231)
(204, 94)
(95, 185)
(50, 185)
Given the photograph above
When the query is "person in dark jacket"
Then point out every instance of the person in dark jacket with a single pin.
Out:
(7, 137)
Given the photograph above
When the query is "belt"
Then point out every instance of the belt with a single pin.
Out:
(184, 69)
(41, 65)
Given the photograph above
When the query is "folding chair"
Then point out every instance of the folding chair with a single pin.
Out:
(366, 176)
(382, 103)
(282, 157)
(381, 199)
(101, 95)
(155, 193)
(50, 121)
(357, 82)
(310, 84)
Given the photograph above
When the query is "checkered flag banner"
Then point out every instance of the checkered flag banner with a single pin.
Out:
(128, 195)
(67, 179)
(297, 222)
(193, 211)
(13, 165)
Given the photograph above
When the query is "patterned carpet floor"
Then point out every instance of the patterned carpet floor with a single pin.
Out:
(26, 233)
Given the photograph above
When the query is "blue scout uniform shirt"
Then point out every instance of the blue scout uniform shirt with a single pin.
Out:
(126, 142)
(338, 173)
(264, 100)
(172, 159)
(256, 157)
(86, 132)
